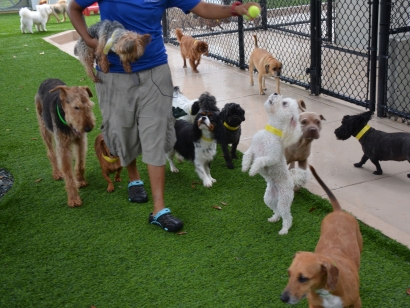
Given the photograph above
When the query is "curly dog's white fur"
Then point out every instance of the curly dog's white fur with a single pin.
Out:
(266, 156)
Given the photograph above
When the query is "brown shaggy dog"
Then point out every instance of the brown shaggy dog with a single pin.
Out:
(66, 114)
(109, 163)
(191, 49)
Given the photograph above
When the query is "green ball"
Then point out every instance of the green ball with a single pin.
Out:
(254, 11)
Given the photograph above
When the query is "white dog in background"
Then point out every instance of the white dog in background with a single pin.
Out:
(266, 156)
(189, 106)
(39, 18)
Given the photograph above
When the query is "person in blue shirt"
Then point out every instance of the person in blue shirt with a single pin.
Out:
(136, 107)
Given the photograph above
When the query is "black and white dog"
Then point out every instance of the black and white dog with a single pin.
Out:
(184, 108)
(197, 142)
(376, 145)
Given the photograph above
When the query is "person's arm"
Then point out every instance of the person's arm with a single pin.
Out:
(75, 12)
(217, 11)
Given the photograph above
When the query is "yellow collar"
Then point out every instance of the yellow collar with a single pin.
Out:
(207, 139)
(362, 132)
(110, 160)
(273, 130)
(230, 127)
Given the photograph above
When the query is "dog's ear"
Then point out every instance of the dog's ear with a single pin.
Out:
(242, 111)
(90, 94)
(302, 105)
(222, 114)
(322, 117)
(332, 274)
(207, 49)
(63, 92)
(367, 115)
(267, 68)
(195, 108)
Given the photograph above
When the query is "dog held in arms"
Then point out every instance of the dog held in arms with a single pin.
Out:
(197, 142)
(29, 18)
(191, 49)
(65, 114)
(266, 65)
(266, 156)
(328, 277)
(111, 35)
(377, 145)
(108, 162)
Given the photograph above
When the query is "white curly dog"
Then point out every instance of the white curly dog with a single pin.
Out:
(266, 156)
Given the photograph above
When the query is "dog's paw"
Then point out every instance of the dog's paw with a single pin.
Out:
(110, 188)
(207, 183)
(283, 231)
(174, 169)
(117, 179)
(230, 165)
(74, 202)
(82, 183)
(378, 172)
(358, 165)
(58, 176)
(212, 180)
(274, 218)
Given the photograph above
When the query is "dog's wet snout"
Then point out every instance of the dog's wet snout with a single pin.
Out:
(285, 297)
(88, 129)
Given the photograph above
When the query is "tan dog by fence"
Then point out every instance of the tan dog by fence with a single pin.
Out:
(266, 65)
(191, 49)
(65, 114)
(328, 277)
(109, 163)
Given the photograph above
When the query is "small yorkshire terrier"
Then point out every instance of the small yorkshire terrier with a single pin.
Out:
(111, 35)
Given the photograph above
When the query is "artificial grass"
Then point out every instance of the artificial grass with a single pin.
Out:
(105, 254)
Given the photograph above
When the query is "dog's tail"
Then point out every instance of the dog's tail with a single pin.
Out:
(25, 12)
(256, 41)
(335, 204)
(179, 34)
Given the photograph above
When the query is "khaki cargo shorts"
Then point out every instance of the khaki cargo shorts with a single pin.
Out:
(137, 114)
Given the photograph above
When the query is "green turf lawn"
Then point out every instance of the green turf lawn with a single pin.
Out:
(105, 254)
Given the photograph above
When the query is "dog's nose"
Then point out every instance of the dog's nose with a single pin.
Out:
(88, 129)
(285, 297)
(312, 130)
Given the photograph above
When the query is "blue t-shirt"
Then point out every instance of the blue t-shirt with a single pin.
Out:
(141, 16)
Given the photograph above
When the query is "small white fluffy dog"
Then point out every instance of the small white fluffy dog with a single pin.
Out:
(39, 18)
(266, 156)
(189, 106)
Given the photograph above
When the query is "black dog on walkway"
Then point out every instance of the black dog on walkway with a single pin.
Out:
(377, 145)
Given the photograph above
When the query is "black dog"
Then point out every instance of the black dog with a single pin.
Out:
(376, 145)
(232, 115)
(197, 142)
(229, 122)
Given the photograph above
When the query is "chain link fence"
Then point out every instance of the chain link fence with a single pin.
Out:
(328, 47)
(13, 5)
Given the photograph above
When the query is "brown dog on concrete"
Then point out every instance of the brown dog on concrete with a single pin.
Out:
(66, 114)
(191, 49)
(266, 65)
(109, 163)
(311, 124)
(328, 277)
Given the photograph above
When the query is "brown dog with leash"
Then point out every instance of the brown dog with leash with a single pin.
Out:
(328, 277)
(266, 65)
(109, 163)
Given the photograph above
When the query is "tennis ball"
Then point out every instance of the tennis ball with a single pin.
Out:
(253, 11)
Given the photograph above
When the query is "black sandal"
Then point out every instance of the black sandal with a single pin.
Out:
(136, 192)
(166, 221)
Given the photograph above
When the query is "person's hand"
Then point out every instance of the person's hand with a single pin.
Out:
(92, 43)
(243, 9)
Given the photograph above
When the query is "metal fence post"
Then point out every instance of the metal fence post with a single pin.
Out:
(165, 27)
(385, 11)
(241, 43)
(373, 55)
(264, 14)
(315, 70)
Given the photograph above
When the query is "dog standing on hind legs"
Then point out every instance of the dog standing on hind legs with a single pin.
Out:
(65, 114)
(328, 277)
(266, 156)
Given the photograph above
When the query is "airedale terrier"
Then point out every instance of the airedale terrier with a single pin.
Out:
(65, 113)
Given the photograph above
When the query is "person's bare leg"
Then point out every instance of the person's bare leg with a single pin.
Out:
(157, 180)
(133, 173)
